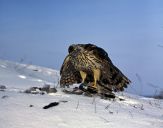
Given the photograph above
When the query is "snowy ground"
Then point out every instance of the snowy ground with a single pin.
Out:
(78, 112)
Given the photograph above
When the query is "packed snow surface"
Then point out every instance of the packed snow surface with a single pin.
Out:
(21, 110)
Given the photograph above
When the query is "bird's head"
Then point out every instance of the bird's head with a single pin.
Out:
(75, 47)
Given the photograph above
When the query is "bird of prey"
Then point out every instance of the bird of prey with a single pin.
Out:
(90, 64)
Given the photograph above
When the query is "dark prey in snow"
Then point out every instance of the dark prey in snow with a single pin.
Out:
(51, 105)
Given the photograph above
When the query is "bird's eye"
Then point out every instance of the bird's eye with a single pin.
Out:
(71, 49)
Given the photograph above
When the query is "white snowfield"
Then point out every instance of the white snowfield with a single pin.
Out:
(20, 110)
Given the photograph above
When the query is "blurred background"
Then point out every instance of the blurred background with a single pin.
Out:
(39, 32)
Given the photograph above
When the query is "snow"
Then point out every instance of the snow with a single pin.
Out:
(78, 112)
(21, 76)
(25, 75)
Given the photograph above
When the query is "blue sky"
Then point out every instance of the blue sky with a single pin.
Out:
(40, 31)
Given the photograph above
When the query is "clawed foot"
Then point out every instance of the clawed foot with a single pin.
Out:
(87, 88)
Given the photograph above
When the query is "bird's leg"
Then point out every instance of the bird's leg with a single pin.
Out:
(96, 73)
(83, 76)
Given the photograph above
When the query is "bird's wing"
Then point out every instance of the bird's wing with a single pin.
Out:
(69, 75)
(112, 78)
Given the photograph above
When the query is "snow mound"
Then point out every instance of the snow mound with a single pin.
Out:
(15, 75)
